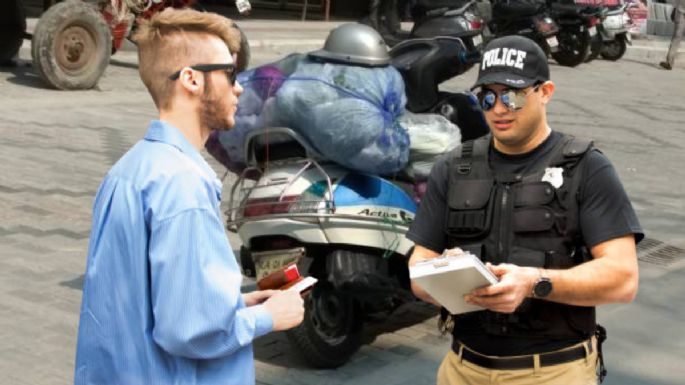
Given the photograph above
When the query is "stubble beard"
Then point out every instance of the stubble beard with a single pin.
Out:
(213, 114)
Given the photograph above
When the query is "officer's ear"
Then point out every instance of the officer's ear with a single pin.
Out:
(546, 91)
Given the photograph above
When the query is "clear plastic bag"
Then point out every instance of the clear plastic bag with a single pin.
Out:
(430, 136)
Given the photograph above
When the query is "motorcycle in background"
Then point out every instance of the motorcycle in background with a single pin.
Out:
(615, 33)
(596, 16)
(576, 31)
(525, 19)
(426, 63)
(345, 228)
(455, 18)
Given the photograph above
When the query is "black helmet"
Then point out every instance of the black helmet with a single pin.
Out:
(356, 44)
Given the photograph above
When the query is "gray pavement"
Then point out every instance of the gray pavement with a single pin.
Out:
(56, 146)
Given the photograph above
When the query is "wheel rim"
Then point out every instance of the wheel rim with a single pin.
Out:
(75, 49)
(329, 313)
(572, 43)
(612, 49)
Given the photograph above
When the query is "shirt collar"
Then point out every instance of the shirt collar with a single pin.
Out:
(160, 131)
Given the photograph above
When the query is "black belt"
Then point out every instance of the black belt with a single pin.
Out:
(526, 362)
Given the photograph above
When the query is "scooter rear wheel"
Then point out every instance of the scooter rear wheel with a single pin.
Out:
(331, 331)
(574, 44)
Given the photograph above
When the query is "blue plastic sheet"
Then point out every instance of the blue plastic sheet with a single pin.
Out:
(348, 113)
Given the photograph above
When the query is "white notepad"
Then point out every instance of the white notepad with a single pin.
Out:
(449, 277)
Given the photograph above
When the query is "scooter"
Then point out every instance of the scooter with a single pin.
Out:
(452, 18)
(345, 228)
(526, 19)
(615, 34)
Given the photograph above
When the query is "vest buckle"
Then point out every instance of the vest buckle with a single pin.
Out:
(464, 168)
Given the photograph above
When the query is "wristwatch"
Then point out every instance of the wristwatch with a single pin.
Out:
(542, 287)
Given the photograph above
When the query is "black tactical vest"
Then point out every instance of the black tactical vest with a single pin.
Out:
(523, 220)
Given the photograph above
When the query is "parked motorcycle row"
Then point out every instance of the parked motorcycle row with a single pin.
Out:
(570, 33)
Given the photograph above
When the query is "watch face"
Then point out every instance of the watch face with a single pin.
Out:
(543, 287)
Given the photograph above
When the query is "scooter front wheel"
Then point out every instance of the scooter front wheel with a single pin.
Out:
(331, 331)
(614, 49)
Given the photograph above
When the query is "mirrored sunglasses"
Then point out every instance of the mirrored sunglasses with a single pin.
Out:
(512, 99)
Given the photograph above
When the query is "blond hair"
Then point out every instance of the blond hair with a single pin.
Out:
(168, 41)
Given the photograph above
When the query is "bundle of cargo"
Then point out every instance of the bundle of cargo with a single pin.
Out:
(348, 113)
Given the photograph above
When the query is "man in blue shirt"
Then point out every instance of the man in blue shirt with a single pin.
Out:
(161, 298)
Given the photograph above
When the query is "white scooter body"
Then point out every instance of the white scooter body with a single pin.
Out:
(313, 221)
(316, 202)
(616, 23)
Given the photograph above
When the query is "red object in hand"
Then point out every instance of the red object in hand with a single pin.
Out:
(279, 278)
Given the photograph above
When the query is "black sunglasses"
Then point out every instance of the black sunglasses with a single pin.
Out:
(513, 99)
(229, 68)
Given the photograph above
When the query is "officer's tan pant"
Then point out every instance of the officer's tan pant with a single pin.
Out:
(455, 371)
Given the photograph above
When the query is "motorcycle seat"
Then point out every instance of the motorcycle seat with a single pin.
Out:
(430, 5)
(278, 143)
(515, 10)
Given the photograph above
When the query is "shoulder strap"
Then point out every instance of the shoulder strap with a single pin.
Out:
(572, 151)
(471, 159)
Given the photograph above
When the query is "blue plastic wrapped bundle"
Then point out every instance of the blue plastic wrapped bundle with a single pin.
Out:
(384, 151)
(348, 113)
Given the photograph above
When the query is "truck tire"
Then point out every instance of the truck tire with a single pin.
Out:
(71, 46)
(331, 331)
(12, 27)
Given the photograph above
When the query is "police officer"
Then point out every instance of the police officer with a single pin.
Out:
(548, 214)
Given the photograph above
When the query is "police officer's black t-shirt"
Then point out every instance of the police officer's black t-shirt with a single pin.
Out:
(605, 214)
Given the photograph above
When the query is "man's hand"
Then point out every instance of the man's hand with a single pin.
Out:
(422, 254)
(257, 297)
(286, 308)
(516, 283)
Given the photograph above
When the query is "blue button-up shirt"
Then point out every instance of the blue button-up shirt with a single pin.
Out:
(161, 296)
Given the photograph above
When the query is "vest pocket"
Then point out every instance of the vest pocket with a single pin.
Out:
(470, 208)
(534, 194)
(533, 219)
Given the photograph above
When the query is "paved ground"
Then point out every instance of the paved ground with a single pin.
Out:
(56, 146)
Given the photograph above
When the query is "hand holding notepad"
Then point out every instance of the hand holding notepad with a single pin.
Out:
(452, 275)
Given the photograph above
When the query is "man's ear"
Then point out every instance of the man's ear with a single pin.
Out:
(547, 89)
(191, 81)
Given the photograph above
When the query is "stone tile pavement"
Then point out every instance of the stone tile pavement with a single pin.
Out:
(56, 146)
